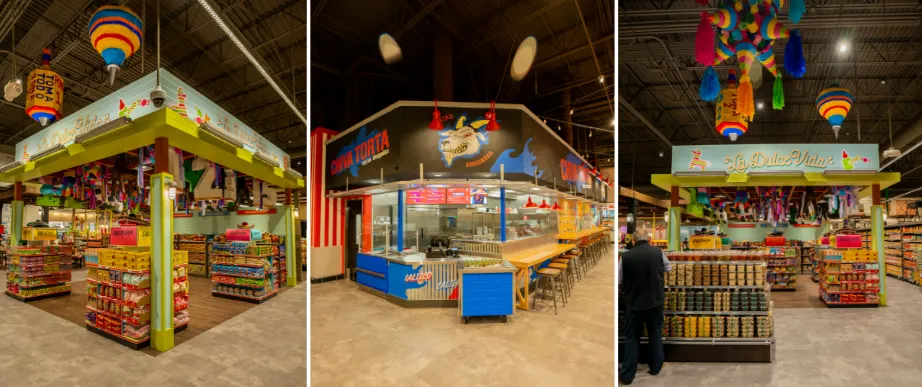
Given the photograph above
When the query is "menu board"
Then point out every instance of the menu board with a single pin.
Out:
(426, 196)
(459, 196)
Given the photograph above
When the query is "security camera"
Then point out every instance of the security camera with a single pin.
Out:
(158, 97)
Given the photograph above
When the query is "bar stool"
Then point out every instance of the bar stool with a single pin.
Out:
(549, 277)
(567, 271)
(573, 264)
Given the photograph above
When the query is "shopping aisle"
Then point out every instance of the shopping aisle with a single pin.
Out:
(358, 339)
(806, 295)
(824, 347)
(265, 345)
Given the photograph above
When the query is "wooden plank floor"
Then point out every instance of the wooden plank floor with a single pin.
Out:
(806, 295)
(206, 311)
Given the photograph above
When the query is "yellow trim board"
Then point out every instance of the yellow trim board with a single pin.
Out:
(885, 179)
(180, 131)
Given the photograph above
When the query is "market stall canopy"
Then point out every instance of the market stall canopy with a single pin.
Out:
(412, 140)
(127, 120)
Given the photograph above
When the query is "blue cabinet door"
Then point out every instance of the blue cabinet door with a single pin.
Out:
(486, 294)
(371, 263)
(371, 281)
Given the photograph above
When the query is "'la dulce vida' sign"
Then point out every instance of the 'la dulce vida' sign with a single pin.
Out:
(740, 164)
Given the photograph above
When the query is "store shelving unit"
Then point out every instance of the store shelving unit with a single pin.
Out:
(849, 278)
(280, 256)
(716, 311)
(807, 257)
(195, 245)
(119, 295)
(911, 236)
(893, 251)
(782, 268)
(39, 272)
(243, 271)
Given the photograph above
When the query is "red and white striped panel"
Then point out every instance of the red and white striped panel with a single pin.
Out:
(327, 216)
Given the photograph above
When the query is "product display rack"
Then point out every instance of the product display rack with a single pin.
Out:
(715, 310)
(912, 248)
(893, 251)
(807, 258)
(119, 295)
(849, 278)
(243, 271)
(196, 245)
(39, 271)
(278, 253)
(782, 268)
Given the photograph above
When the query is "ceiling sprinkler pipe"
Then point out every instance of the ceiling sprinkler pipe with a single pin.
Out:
(214, 15)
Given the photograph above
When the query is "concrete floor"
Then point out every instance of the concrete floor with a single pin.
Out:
(264, 346)
(823, 347)
(358, 339)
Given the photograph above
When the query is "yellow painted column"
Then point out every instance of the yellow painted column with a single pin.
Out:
(675, 223)
(291, 244)
(16, 222)
(877, 233)
(17, 206)
(161, 214)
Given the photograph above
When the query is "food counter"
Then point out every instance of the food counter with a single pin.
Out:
(412, 280)
(577, 235)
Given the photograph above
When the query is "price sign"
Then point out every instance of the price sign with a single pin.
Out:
(238, 235)
(145, 235)
(39, 234)
(131, 236)
(124, 236)
(704, 242)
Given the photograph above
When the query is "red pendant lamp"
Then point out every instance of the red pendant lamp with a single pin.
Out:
(544, 205)
(436, 123)
(530, 204)
(556, 207)
(491, 115)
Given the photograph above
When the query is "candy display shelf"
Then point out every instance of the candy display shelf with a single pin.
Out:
(243, 271)
(782, 268)
(39, 272)
(849, 278)
(716, 309)
(119, 295)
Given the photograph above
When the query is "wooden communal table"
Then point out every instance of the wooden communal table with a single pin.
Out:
(578, 235)
(526, 262)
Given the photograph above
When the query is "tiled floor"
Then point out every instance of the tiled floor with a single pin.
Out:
(824, 347)
(264, 346)
(358, 339)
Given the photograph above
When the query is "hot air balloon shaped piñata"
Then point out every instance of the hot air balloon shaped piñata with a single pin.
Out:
(833, 103)
(746, 30)
(115, 33)
(45, 92)
(729, 122)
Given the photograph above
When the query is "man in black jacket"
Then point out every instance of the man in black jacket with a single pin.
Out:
(641, 281)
